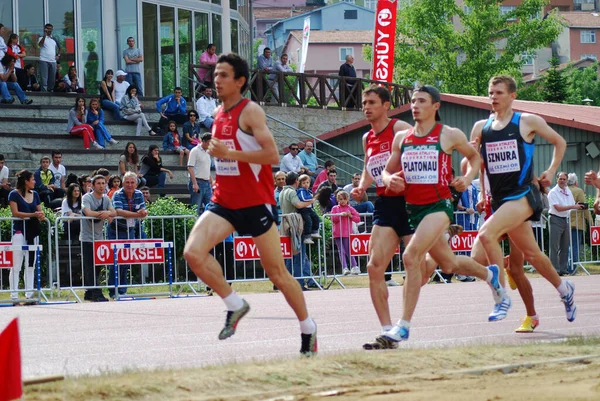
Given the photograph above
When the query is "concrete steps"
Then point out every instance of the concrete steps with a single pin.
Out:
(43, 126)
(68, 99)
(58, 111)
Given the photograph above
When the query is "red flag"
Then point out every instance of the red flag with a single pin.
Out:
(385, 39)
(11, 384)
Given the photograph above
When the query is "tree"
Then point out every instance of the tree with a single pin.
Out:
(430, 50)
(583, 84)
(555, 83)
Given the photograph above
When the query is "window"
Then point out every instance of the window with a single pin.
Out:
(268, 26)
(527, 58)
(350, 14)
(344, 51)
(371, 4)
(592, 56)
(588, 36)
(506, 10)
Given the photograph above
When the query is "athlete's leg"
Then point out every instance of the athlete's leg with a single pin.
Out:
(272, 261)
(209, 230)
(518, 274)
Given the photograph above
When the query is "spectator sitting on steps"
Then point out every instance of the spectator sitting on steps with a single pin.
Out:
(191, 131)
(77, 124)
(153, 170)
(128, 161)
(172, 142)
(291, 161)
(70, 82)
(175, 108)
(8, 81)
(4, 184)
(28, 81)
(131, 110)
(95, 118)
(205, 106)
(44, 179)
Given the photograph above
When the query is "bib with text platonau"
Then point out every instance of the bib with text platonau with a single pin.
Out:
(420, 165)
(227, 166)
(375, 166)
(502, 156)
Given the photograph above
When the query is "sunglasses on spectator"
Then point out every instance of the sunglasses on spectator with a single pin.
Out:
(293, 148)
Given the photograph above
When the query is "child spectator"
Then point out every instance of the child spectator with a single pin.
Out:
(344, 215)
(114, 184)
(71, 206)
(172, 142)
(311, 220)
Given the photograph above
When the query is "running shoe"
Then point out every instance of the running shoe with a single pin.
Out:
(511, 281)
(345, 271)
(455, 229)
(528, 325)
(309, 344)
(500, 309)
(569, 302)
(232, 320)
(392, 283)
(381, 342)
(316, 235)
(397, 334)
(497, 289)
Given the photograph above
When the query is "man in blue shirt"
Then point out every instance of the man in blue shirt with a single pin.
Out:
(309, 159)
(175, 109)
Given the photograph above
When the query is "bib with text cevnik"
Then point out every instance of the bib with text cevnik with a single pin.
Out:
(227, 166)
(502, 157)
(375, 166)
(421, 165)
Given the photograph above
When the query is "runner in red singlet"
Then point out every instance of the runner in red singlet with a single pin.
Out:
(243, 149)
(421, 163)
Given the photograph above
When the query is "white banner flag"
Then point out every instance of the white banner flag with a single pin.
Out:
(305, 38)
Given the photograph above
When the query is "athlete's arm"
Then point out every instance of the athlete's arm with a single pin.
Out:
(458, 141)
(252, 120)
(537, 125)
(365, 179)
(401, 126)
(391, 175)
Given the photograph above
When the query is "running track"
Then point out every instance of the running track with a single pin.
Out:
(74, 339)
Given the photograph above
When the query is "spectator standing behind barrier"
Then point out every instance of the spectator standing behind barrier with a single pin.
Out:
(342, 217)
(281, 65)
(97, 205)
(8, 81)
(28, 81)
(309, 216)
(364, 205)
(561, 202)
(279, 184)
(347, 70)
(205, 106)
(133, 57)
(95, 118)
(108, 98)
(4, 184)
(128, 203)
(131, 110)
(208, 61)
(152, 169)
(77, 124)
(309, 159)
(191, 131)
(121, 86)
(49, 55)
(331, 181)
(175, 108)
(290, 161)
(24, 204)
(128, 161)
(114, 184)
(71, 207)
(578, 219)
(469, 220)
(146, 192)
(198, 167)
(265, 64)
(322, 176)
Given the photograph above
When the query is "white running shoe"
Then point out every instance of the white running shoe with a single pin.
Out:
(113, 141)
(355, 270)
(392, 283)
(345, 271)
(97, 145)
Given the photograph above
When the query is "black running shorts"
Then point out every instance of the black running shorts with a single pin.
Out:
(253, 221)
(534, 198)
(390, 211)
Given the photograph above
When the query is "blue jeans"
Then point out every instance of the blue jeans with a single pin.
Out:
(102, 134)
(122, 233)
(202, 197)
(6, 86)
(112, 106)
(365, 207)
(135, 78)
(299, 265)
(576, 240)
(156, 180)
(208, 122)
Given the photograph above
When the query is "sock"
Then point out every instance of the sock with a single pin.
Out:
(489, 277)
(535, 317)
(386, 328)
(308, 326)
(562, 289)
(233, 302)
(404, 323)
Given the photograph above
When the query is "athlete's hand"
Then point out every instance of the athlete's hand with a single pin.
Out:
(460, 184)
(217, 148)
(357, 193)
(546, 178)
(396, 182)
(475, 143)
(591, 178)
(480, 206)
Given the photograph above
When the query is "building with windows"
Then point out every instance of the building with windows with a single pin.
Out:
(92, 34)
(580, 38)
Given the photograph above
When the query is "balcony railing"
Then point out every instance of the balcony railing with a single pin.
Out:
(308, 90)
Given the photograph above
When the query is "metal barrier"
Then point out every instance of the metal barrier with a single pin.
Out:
(583, 243)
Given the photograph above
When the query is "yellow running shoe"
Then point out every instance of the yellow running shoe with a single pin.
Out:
(511, 281)
(529, 324)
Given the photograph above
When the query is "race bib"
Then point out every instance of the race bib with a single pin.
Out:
(226, 166)
(420, 166)
(502, 157)
(375, 167)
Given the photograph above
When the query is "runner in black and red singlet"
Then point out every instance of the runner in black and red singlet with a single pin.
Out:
(243, 149)
(421, 164)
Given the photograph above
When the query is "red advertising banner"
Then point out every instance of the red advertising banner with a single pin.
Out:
(244, 248)
(6, 257)
(385, 39)
(104, 253)
(463, 242)
(359, 245)
(595, 235)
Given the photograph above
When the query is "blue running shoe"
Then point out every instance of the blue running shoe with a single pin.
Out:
(497, 290)
(500, 309)
(569, 302)
(397, 334)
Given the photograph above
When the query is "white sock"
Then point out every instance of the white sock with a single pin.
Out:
(233, 302)
(534, 317)
(404, 323)
(562, 289)
(308, 326)
(386, 328)
(489, 277)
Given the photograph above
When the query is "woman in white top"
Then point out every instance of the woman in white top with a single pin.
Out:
(71, 207)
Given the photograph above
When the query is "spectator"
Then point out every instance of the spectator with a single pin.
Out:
(291, 161)
(467, 203)
(95, 118)
(128, 161)
(131, 110)
(114, 184)
(342, 217)
(44, 181)
(97, 205)
(133, 57)
(322, 176)
(578, 219)
(85, 182)
(325, 199)
(153, 170)
(4, 184)
(364, 205)
(24, 204)
(28, 81)
(198, 167)
(49, 55)
(128, 203)
(281, 65)
(205, 106)
(70, 82)
(191, 131)
(77, 124)
(331, 181)
(120, 86)
(60, 174)
(71, 207)
(309, 159)
(146, 192)
(309, 216)
(207, 61)
(18, 52)
(8, 81)
(175, 109)
(279, 184)
(107, 95)
(347, 70)
(561, 202)
(3, 47)
(265, 64)
(172, 142)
